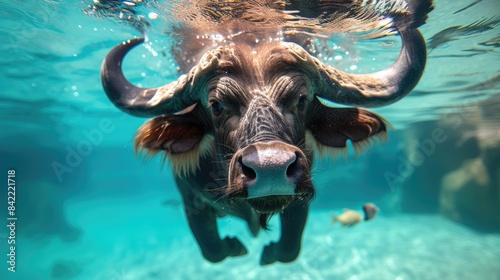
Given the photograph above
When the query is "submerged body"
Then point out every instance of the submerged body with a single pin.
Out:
(242, 124)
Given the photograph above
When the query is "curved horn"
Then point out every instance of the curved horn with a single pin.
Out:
(381, 88)
(143, 102)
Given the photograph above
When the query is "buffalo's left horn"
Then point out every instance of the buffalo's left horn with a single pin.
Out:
(383, 87)
(144, 102)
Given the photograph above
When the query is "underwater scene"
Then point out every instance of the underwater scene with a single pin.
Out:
(259, 139)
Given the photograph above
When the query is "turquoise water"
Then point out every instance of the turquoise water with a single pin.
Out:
(110, 215)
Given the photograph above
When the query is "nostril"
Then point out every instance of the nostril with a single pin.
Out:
(293, 170)
(247, 171)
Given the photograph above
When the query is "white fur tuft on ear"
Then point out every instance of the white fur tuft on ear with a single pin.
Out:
(364, 145)
(321, 151)
(185, 164)
(182, 164)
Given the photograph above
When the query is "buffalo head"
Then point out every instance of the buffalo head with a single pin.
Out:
(255, 110)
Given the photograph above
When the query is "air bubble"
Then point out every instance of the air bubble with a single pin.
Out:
(153, 15)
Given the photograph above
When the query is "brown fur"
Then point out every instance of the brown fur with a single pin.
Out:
(152, 136)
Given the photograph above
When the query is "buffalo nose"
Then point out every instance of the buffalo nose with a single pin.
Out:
(269, 172)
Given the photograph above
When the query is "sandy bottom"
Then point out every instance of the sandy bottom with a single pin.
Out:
(140, 239)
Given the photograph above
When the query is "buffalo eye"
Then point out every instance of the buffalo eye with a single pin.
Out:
(217, 108)
(301, 104)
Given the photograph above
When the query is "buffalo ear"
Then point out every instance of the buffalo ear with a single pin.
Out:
(330, 128)
(181, 137)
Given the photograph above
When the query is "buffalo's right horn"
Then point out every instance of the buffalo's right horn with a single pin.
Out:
(148, 102)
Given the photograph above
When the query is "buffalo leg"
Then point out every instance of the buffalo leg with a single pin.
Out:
(293, 220)
(202, 221)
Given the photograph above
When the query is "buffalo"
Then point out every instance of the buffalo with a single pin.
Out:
(243, 123)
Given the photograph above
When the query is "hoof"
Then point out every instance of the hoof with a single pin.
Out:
(273, 253)
(268, 255)
(235, 247)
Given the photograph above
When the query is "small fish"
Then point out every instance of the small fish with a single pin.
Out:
(350, 217)
(370, 210)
